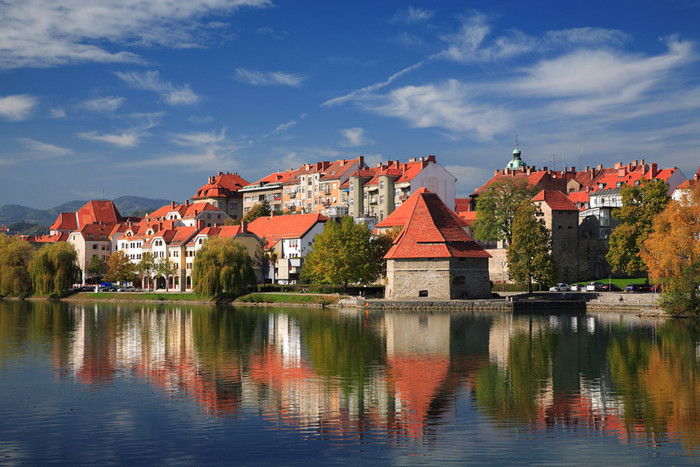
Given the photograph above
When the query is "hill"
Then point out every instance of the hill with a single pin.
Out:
(127, 205)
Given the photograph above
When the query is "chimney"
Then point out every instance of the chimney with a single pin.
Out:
(696, 176)
(599, 167)
(379, 164)
(586, 169)
(654, 169)
(172, 205)
(187, 202)
(219, 174)
(644, 169)
(641, 161)
(244, 227)
(200, 224)
(495, 172)
(544, 169)
(431, 158)
(412, 159)
(618, 165)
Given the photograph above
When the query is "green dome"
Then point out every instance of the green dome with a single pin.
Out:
(516, 163)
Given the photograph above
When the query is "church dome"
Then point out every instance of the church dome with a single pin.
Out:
(516, 163)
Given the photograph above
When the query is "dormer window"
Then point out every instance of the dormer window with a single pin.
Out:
(601, 186)
(618, 184)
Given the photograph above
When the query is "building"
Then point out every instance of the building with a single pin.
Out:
(376, 192)
(684, 188)
(290, 238)
(268, 189)
(222, 191)
(434, 258)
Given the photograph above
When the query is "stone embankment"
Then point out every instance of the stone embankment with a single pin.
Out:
(577, 302)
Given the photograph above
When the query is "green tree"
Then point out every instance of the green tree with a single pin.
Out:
(120, 267)
(529, 254)
(496, 206)
(672, 254)
(262, 258)
(98, 268)
(222, 266)
(55, 268)
(165, 269)
(343, 253)
(260, 209)
(15, 260)
(146, 268)
(640, 205)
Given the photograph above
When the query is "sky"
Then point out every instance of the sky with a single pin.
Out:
(106, 98)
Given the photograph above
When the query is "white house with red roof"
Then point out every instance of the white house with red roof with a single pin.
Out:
(291, 238)
(684, 188)
(90, 242)
(434, 258)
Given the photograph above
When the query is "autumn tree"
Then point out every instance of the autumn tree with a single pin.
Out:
(146, 268)
(260, 209)
(640, 205)
(222, 266)
(55, 268)
(98, 268)
(15, 260)
(672, 254)
(120, 267)
(343, 253)
(496, 206)
(529, 254)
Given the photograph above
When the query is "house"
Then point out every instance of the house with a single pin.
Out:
(90, 242)
(433, 257)
(222, 191)
(400, 216)
(268, 189)
(684, 188)
(290, 238)
(91, 212)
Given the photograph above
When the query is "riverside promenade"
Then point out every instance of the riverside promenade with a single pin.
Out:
(544, 302)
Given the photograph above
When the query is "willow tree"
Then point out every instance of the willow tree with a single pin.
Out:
(15, 260)
(529, 254)
(222, 266)
(55, 268)
(672, 254)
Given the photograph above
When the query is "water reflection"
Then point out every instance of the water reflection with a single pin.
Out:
(397, 378)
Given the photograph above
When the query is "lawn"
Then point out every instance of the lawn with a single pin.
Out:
(291, 298)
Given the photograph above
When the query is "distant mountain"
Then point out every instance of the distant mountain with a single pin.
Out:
(127, 205)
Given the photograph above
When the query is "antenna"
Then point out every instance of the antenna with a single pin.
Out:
(516, 140)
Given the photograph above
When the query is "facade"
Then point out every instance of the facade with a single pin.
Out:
(434, 258)
(222, 191)
(90, 242)
(376, 192)
(267, 189)
(290, 238)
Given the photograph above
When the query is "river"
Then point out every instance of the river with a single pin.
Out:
(116, 384)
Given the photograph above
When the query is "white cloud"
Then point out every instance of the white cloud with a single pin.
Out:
(273, 78)
(57, 112)
(449, 105)
(17, 107)
(150, 81)
(103, 104)
(41, 33)
(354, 137)
(40, 150)
(412, 15)
(199, 139)
(125, 140)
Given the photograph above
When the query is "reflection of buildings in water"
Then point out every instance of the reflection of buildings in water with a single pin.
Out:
(505, 326)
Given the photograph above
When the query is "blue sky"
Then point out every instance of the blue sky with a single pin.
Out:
(149, 98)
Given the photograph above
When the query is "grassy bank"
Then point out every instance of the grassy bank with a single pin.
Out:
(292, 299)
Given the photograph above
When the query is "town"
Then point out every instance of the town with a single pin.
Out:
(436, 256)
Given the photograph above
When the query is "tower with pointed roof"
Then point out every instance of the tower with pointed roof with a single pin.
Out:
(516, 163)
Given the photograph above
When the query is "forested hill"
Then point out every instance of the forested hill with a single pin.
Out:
(127, 205)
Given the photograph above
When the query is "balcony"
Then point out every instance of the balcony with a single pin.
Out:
(293, 195)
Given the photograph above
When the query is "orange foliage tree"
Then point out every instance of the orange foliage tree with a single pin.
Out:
(672, 253)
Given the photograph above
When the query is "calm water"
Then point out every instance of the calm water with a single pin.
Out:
(144, 384)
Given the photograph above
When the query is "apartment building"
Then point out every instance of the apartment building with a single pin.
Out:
(268, 189)
(222, 191)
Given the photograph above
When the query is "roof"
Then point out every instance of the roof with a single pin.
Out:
(556, 200)
(98, 211)
(223, 185)
(186, 211)
(274, 228)
(401, 214)
(462, 204)
(340, 167)
(432, 231)
(276, 177)
(65, 221)
(543, 179)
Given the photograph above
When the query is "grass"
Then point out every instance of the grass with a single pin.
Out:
(621, 283)
(292, 298)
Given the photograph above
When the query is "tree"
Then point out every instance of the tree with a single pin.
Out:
(529, 254)
(640, 204)
(146, 267)
(222, 266)
(15, 260)
(496, 206)
(343, 253)
(672, 254)
(98, 268)
(262, 258)
(120, 267)
(260, 209)
(165, 269)
(55, 268)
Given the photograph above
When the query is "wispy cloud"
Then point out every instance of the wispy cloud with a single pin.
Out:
(354, 137)
(273, 78)
(40, 150)
(17, 107)
(41, 33)
(412, 15)
(125, 140)
(150, 81)
(103, 104)
(200, 138)
(57, 112)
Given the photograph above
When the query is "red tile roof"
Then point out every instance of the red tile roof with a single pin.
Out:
(401, 214)
(340, 167)
(545, 180)
(432, 231)
(222, 185)
(274, 228)
(462, 204)
(277, 177)
(556, 200)
(65, 221)
(98, 211)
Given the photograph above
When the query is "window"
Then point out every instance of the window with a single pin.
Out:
(94, 247)
(381, 184)
(381, 199)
